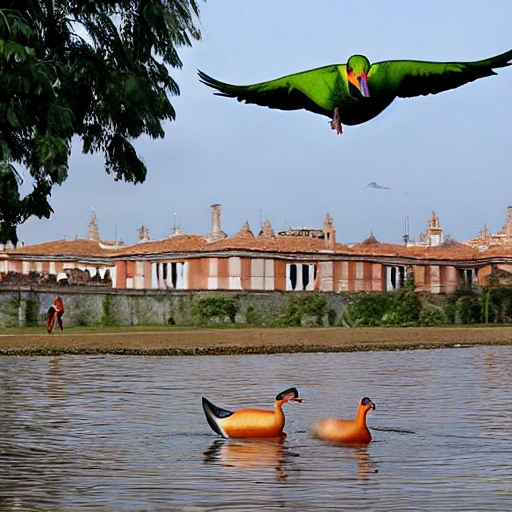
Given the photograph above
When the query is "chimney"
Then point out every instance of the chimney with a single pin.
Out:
(216, 232)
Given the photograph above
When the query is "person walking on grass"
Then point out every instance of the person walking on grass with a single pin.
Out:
(54, 314)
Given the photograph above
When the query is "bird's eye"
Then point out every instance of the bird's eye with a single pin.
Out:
(365, 401)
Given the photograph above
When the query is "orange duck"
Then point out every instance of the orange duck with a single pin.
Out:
(249, 423)
(346, 431)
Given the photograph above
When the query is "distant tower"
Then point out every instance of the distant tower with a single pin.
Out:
(434, 235)
(329, 231)
(143, 232)
(93, 232)
(508, 225)
(216, 232)
(176, 230)
(485, 234)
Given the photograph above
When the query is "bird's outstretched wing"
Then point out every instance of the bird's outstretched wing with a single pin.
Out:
(407, 78)
(309, 90)
(374, 184)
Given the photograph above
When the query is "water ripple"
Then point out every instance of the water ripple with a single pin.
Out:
(127, 433)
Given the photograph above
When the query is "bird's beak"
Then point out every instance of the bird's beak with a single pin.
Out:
(361, 82)
(363, 85)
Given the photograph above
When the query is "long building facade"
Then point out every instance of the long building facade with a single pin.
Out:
(308, 260)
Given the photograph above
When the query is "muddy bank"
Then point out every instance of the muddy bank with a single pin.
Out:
(250, 341)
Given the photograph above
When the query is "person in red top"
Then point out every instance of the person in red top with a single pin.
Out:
(55, 313)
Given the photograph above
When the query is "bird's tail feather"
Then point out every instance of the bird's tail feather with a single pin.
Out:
(212, 413)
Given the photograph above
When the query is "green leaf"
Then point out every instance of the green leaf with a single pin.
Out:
(12, 118)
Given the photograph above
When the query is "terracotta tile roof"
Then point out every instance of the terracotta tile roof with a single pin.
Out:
(175, 243)
(244, 240)
(282, 244)
(77, 247)
(498, 250)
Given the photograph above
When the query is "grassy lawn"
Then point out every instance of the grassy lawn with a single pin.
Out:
(37, 330)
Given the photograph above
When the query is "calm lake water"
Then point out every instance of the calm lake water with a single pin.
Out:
(128, 433)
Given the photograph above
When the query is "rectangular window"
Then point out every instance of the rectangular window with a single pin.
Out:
(300, 277)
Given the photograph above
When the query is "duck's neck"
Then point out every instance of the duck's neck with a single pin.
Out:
(361, 416)
(278, 410)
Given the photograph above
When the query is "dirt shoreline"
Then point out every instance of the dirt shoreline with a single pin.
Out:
(177, 342)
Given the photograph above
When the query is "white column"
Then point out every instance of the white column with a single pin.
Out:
(154, 278)
(389, 285)
(168, 279)
(185, 275)
(288, 280)
(179, 276)
(311, 284)
(299, 286)
(160, 284)
(113, 276)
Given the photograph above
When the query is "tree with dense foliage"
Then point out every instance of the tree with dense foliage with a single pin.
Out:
(96, 71)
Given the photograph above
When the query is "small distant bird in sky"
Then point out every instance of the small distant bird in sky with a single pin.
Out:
(374, 184)
(358, 91)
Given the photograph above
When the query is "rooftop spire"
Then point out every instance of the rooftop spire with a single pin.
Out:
(93, 232)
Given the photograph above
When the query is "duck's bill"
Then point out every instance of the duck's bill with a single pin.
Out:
(363, 86)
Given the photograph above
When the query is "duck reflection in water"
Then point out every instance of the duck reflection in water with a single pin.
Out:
(250, 455)
(364, 462)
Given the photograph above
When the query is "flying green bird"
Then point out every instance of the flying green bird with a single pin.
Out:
(358, 91)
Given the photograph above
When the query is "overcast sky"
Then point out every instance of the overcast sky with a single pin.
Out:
(450, 153)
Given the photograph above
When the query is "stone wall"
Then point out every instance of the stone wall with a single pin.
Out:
(94, 307)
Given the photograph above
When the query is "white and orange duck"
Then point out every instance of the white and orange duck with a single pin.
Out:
(250, 423)
(346, 431)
